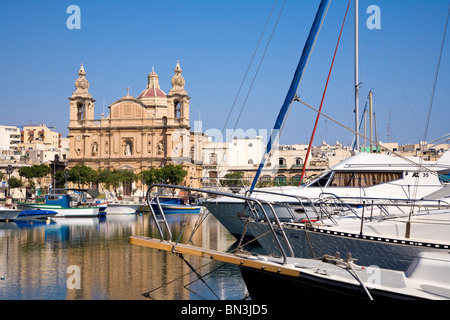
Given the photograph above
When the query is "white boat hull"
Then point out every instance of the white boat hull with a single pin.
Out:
(119, 208)
(9, 214)
(76, 212)
(229, 213)
(65, 212)
(37, 206)
(382, 243)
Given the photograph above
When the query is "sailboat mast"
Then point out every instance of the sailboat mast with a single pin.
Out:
(371, 120)
(356, 75)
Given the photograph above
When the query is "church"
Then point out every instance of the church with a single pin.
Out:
(151, 130)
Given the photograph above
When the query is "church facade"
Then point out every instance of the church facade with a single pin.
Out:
(151, 130)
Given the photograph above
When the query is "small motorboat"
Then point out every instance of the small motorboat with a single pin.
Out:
(63, 205)
(175, 206)
(8, 214)
(36, 214)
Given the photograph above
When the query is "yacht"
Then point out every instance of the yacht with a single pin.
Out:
(117, 206)
(360, 178)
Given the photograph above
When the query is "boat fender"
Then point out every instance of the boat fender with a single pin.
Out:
(408, 229)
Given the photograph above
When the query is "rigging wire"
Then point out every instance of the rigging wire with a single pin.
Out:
(257, 70)
(259, 66)
(246, 73)
(323, 95)
(416, 185)
(293, 88)
(398, 78)
(314, 44)
(249, 66)
(364, 137)
(435, 78)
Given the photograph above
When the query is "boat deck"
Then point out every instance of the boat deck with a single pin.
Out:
(240, 259)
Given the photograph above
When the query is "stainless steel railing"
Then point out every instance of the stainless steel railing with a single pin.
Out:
(248, 200)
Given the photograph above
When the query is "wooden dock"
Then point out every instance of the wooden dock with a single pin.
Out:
(233, 258)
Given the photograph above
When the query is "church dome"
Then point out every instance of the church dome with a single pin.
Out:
(152, 90)
(151, 93)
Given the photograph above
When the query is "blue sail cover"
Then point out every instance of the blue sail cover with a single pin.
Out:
(294, 85)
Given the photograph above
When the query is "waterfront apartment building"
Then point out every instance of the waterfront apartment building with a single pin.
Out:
(9, 138)
(30, 146)
(41, 134)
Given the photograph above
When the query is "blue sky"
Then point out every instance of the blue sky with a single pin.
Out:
(120, 41)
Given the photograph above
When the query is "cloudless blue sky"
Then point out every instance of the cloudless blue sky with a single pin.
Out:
(120, 41)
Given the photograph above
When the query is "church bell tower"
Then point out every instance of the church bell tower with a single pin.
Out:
(81, 101)
(178, 100)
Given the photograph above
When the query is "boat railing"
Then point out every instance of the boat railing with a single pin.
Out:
(252, 202)
(323, 207)
(306, 203)
(331, 205)
(404, 206)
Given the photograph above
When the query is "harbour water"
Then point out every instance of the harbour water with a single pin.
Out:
(91, 259)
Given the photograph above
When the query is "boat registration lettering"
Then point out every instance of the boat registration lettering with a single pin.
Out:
(289, 234)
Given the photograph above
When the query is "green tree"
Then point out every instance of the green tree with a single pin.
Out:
(27, 173)
(234, 179)
(172, 174)
(14, 183)
(103, 176)
(127, 177)
(265, 182)
(59, 176)
(41, 171)
(111, 179)
(37, 171)
(151, 176)
(116, 178)
(82, 175)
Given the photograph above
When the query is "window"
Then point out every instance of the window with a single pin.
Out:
(79, 111)
(281, 180)
(363, 179)
(298, 161)
(177, 110)
(296, 179)
(281, 161)
(320, 181)
(212, 158)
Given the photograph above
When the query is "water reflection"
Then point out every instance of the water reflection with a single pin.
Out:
(35, 255)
